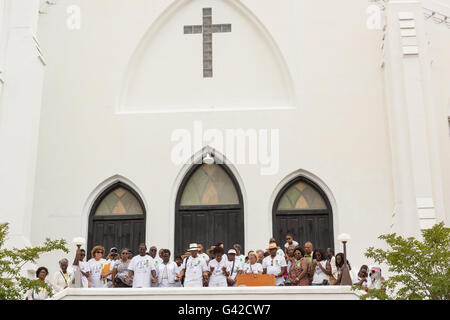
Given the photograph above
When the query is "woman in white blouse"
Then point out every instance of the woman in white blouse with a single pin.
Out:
(168, 276)
(42, 293)
(252, 266)
(63, 278)
(95, 267)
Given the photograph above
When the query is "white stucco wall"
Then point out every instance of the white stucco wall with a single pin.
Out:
(439, 35)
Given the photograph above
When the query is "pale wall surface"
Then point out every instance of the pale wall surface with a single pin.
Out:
(439, 35)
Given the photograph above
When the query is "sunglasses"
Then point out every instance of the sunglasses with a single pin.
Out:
(99, 252)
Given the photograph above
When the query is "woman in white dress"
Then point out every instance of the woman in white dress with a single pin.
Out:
(252, 266)
(42, 293)
(218, 269)
(64, 277)
(95, 267)
(322, 269)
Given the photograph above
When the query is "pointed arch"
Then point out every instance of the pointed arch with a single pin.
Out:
(218, 218)
(131, 102)
(116, 215)
(302, 204)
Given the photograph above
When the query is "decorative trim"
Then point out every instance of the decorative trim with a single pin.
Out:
(408, 34)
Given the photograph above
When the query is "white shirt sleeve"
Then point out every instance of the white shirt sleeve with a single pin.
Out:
(283, 262)
(259, 267)
(264, 263)
(205, 267)
(132, 264)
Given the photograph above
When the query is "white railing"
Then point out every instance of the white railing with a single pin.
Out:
(228, 293)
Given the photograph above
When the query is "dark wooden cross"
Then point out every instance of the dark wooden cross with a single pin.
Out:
(207, 28)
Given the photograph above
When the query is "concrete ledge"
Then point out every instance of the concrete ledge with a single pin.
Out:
(241, 293)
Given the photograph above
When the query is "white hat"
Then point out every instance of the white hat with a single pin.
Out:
(193, 247)
(232, 251)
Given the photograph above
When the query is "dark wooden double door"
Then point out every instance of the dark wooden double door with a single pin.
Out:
(125, 232)
(315, 228)
(209, 227)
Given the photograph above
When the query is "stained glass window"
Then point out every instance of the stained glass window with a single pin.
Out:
(209, 185)
(301, 196)
(119, 202)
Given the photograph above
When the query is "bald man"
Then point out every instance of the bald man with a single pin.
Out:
(309, 257)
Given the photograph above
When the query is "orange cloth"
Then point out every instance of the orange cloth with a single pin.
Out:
(106, 268)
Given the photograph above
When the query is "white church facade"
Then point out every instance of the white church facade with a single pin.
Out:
(316, 118)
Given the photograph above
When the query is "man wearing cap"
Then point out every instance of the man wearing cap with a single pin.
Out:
(275, 264)
(233, 267)
(194, 268)
(112, 258)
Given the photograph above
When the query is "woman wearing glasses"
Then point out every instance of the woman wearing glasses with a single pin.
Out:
(95, 265)
(120, 271)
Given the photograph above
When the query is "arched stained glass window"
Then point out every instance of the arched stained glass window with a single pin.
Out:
(303, 210)
(209, 185)
(117, 219)
(209, 208)
(301, 196)
(119, 202)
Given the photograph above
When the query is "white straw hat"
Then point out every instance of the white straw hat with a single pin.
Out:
(193, 247)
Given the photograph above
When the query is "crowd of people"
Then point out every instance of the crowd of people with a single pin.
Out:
(294, 265)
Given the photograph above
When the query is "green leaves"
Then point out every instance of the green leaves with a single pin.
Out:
(13, 285)
(420, 269)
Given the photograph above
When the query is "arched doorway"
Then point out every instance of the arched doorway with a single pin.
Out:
(117, 219)
(302, 209)
(209, 208)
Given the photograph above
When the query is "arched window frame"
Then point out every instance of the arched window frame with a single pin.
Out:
(328, 211)
(178, 208)
(99, 199)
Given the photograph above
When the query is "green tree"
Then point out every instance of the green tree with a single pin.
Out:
(420, 269)
(13, 286)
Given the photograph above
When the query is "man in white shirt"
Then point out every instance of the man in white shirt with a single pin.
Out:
(178, 268)
(112, 259)
(142, 269)
(202, 254)
(233, 267)
(240, 258)
(81, 269)
(157, 260)
(195, 268)
(275, 264)
(280, 252)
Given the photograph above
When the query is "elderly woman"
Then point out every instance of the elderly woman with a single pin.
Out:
(42, 293)
(64, 278)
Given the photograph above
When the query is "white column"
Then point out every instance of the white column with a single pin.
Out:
(408, 88)
(20, 104)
